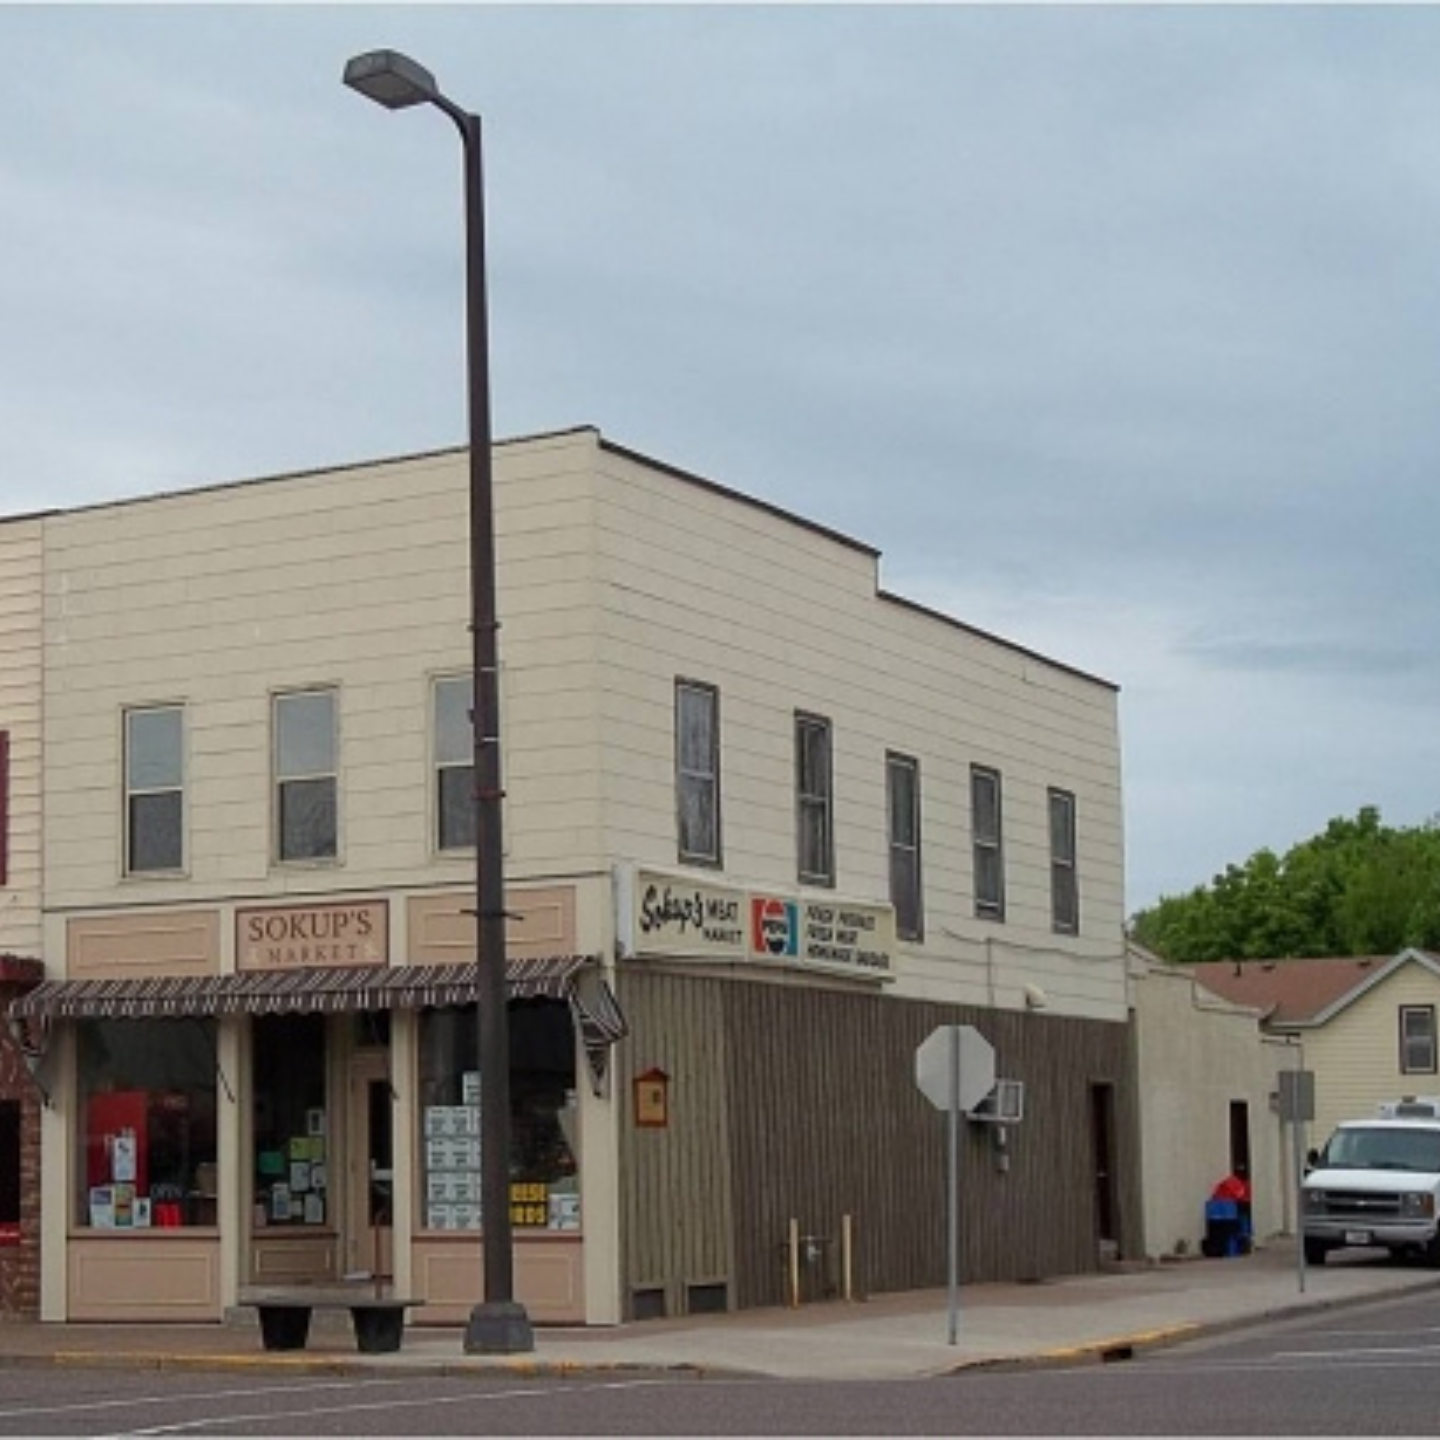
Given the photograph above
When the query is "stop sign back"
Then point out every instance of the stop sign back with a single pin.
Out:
(941, 1052)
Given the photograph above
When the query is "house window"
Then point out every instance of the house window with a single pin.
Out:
(545, 1176)
(454, 764)
(305, 776)
(154, 789)
(697, 771)
(1417, 1039)
(1064, 883)
(145, 1126)
(902, 786)
(987, 842)
(814, 800)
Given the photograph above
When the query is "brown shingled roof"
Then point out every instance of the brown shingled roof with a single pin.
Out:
(1295, 992)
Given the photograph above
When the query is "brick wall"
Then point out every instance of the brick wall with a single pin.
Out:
(20, 1264)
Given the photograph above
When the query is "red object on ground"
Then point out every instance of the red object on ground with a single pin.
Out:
(1232, 1187)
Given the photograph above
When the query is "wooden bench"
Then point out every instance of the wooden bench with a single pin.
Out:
(378, 1319)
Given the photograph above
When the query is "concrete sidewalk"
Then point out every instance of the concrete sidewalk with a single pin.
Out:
(889, 1337)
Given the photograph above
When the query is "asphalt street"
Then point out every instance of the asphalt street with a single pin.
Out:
(1369, 1368)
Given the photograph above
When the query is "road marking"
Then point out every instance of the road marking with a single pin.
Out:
(169, 1397)
(1356, 1354)
(427, 1400)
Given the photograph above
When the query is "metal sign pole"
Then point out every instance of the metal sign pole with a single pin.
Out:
(954, 1183)
(1297, 1142)
(1299, 1203)
(1297, 1106)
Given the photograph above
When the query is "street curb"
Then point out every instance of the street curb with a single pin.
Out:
(1125, 1346)
(326, 1364)
(1114, 1348)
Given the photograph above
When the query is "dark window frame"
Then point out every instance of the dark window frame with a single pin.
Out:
(1062, 814)
(988, 841)
(449, 772)
(1407, 1066)
(4, 807)
(309, 778)
(139, 800)
(698, 780)
(814, 745)
(907, 893)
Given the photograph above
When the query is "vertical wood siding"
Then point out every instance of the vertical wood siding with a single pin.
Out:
(676, 1217)
(821, 1119)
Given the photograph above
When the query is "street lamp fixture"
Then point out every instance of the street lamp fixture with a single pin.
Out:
(499, 1324)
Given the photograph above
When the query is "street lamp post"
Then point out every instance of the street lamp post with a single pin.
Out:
(498, 1325)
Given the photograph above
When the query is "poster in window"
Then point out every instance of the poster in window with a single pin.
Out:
(122, 1156)
(102, 1207)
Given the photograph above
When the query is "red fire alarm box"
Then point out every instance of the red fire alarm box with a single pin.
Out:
(652, 1099)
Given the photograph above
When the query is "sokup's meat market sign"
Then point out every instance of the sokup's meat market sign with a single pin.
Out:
(688, 919)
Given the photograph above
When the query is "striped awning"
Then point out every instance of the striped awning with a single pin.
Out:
(574, 979)
(309, 988)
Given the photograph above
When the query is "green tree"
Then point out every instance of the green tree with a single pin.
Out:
(1358, 888)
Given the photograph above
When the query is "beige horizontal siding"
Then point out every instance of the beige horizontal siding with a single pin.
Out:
(21, 565)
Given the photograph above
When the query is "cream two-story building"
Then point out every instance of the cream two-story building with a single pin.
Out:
(20, 899)
(767, 826)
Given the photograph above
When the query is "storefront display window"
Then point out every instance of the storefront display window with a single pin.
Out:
(147, 1131)
(544, 1178)
(291, 1172)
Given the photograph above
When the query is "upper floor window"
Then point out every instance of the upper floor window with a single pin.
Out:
(697, 771)
(1064, 880)
(455, 818)
(306, 776)
(902, 786)
(154, 789)
(1417, 1040)
(4, 807)
(814, 800)
(988, 842)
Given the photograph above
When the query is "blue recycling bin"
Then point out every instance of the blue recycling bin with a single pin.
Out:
(1227, 1229)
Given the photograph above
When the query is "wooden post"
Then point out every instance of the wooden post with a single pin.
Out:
(794, 1264)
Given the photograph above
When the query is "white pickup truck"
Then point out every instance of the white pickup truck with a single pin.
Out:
(1377, 1183)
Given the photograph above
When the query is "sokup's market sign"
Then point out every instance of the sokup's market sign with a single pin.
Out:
(689, 919)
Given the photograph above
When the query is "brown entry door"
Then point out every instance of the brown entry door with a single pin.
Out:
(370, 1210)
(1102, 1133)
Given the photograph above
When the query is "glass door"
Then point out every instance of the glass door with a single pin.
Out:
(369, 1239)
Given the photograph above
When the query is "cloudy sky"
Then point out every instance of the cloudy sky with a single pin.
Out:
(1116, 329)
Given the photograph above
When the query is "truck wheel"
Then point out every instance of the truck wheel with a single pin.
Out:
(1315, 1252)
(1430, 1254)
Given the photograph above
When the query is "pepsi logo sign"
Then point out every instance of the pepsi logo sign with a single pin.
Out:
(774, 926)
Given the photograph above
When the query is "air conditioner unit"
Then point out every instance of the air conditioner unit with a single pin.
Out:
(1004, 1105)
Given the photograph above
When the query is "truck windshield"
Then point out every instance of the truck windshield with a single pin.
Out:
(1359, 1148)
